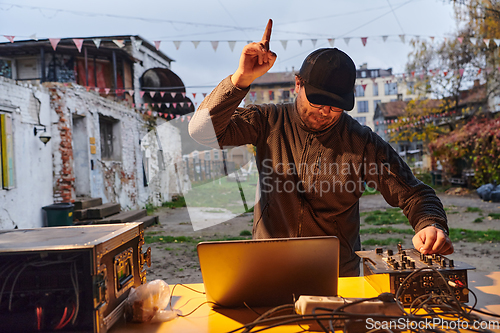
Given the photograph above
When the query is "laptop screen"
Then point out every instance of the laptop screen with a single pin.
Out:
(269, 272)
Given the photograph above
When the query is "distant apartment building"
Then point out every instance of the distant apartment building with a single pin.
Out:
(373, 86)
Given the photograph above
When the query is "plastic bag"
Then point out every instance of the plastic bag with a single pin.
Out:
(147, 303)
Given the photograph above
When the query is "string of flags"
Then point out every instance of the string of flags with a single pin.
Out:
(488, 42)
(411, 122)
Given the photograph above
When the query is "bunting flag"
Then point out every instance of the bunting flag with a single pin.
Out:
(231, 44)
(195, 43)
(33, 37)
(10, 38)
(167, 105)
(189, 104)
(162, 93)
(107, 90)
(384, 38)
(183, 94)
(157, 44)
(283, 43)
(142, 93)
(174, 105)
(432, 39)
(173, 94)
(461, 71)
(402, 38)
(460, 39)
(189, 118)
(96, 89)
(331, 41)
(313, 41)
(119, 42)
(363, 40)
(97, 42)
(194, 95)
(473, 40)
(177, 44)
(152, 93)
(346, 40)
(204, 95)
(78, 42)
(54, 42)
(300, 42)
(137, 44)
(364, 86)
(215, 44)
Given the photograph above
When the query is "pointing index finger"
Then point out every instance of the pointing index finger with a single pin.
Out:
(267, 34)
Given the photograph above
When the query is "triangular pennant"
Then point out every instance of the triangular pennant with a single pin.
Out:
(177, 44)
(215, 44)
(283, 43)
(162, 93)
(107, 90)
(33, 37)
(149, 112)
(177, 116)
(364, 86)
(402, 38)
(146, 105)
(331, 41)
(445, 73)
(189, 118)
(171, 116)
(384, 38)
(313, 41)
(194, 95)
(119, 42)
(167, 105)
(183, 118)
(183, 95)
(181, 104)
(97, 42)
(204, 95)
(363, 40)
(87, 88)
(479, 71)
(497, 41)
(142, 93)
(152, 93)
(96, 89)
(174, 105)
(461, 71)
(460, 39)
(300, 42)
(195, 43)
(189, 104)
(54, 42)
(157, 44)
(173, 94)
(78, 42)
(155, 114)
(473, 40)
(231, 44)
(10, 38)
(432, 39)
(346, 40)
(131, 92)
(487, 42)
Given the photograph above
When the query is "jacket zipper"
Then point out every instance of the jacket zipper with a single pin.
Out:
(309, 139)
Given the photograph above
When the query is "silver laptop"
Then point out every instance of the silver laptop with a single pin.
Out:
(269, 272)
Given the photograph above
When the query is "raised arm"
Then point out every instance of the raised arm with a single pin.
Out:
(216, 123)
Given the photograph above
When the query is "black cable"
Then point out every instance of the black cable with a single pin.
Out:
(199, 306)
(319, 321)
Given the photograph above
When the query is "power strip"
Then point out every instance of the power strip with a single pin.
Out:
(306, 305)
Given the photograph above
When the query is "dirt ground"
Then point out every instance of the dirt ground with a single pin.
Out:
(177, 262)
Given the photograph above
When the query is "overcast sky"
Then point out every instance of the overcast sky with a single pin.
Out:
(241, 21)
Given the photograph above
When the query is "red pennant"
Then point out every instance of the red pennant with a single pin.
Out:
(54, 42)
(363, 40)
(10, 38)
(204, 95)
(460, 39)
(157, 44)
(149, 112)
(173, 94)
(142, 93)
(461, 71)
(174, 105)
(413, 74)
(146, 105)
(364, 86)
(88, 88)
(189, 104)
(194, 95)
(445, 73)
(78, 42)
(184, 94)
(107, 90)
(162, 93)
(479, 71)
(133, 105)
(189, 118)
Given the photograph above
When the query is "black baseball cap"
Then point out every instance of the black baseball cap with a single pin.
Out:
(329, 76)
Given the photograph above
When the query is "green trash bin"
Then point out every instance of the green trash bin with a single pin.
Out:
(59, 214)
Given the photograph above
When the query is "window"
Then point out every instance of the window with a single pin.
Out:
(271, 95)
(109, 129)
(375, 89)
(285, 95)
(363, 74)
(375, 102)
(207, 156)
(362, 106)
(216, 155)
(359, 91)
(7, 151)
(391, 88)
(374, 73)
(361, 120)
(6, 68)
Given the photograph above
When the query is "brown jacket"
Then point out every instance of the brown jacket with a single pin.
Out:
(311, 182)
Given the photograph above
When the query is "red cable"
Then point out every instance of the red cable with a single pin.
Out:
(69, 319)
(39, 318)
(58, 327)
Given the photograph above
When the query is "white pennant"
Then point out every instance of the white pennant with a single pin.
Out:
(346, 40)
(497, 41)
(119, 42)
(97, 42)
(33, 37)
(384, 38)
(331, 41)
(313, 41)
(173, 94)
(300, 42)
(196, 43)
(231, 44)
(215, 44)
(283, 43)
(177, 44)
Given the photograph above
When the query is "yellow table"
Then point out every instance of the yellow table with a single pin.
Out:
(206, 319)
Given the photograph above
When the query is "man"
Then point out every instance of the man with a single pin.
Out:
(313, 158)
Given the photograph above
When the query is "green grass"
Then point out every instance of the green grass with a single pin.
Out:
(150, 208)
(478, 220)
(389, 216)
(495, 216)
(473, 210)
(246, 233)
(369, 191)
(386, 230)
(475, 236)
(177, 203)
(382, 242)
